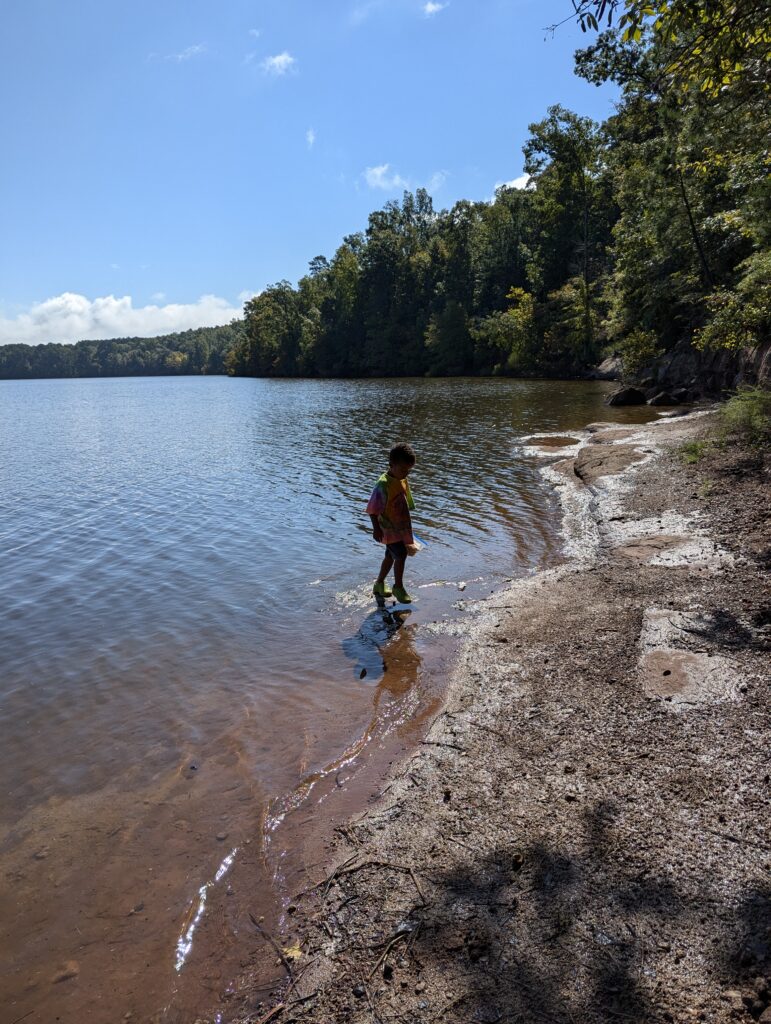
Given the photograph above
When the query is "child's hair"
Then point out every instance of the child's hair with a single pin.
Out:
(402, 453)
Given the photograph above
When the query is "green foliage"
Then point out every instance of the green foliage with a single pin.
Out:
(638, 350)
(713, 45)
(505, 341)
(694, 451)
(741, 317)
(747, 415)
(203, 350)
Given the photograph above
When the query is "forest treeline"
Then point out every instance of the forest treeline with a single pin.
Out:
(202, 350)
(631, 235)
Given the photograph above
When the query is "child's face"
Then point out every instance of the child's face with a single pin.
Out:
(400, 470)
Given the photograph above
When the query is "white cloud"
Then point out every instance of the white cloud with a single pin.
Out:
(310, 137)
(520, 182)
(383, 177)
(246, 294)
(70, 317)
(437, 179)
(278, 65)
(430, 8)
(255, 32)
(158, 296)
(191, 51)
(362, 11)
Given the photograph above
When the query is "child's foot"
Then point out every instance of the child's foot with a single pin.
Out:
(402, 596)
(381, 590)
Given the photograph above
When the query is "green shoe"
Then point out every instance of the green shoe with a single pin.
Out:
(381, 590)
(402, 596)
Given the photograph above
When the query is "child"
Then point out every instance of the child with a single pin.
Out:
(389, 509)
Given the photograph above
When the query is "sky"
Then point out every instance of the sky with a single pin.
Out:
(163, 161)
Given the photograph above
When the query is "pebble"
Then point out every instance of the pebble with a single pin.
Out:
(359, 991)
(70, 969)
(420, 987)
(222, 836)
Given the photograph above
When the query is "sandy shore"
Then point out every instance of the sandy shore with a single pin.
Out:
(583, 834)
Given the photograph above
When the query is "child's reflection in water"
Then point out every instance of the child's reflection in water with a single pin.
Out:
(395, 669)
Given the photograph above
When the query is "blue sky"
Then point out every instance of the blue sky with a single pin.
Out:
(164, 160)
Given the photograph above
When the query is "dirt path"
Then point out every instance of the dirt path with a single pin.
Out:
(584, 833)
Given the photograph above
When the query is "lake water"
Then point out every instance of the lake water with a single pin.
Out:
(189, 645)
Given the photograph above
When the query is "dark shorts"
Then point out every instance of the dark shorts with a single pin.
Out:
(397, 550)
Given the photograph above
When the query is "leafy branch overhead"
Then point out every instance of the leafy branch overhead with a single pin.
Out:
(712, 44)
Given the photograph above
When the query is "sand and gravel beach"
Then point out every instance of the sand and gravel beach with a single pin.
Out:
(583, 834)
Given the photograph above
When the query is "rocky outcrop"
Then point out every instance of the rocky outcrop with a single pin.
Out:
(663, 398)
(707, 374)
(627, 396)
(609, 369)
(606, 460)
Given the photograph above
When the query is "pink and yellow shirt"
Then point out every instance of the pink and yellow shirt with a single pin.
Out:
(391, 501)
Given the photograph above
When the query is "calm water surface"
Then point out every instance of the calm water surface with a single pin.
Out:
(187, 632)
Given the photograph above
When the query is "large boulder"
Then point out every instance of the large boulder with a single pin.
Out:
(609, 369)
(627, 396)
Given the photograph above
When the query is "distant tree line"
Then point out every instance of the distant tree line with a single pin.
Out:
(187, 352)
(632, 234)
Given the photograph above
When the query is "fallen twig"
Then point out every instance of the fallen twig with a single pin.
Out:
(303, 999)
(737, 839)
(397, 938)
(273, 1013)
(269, 938)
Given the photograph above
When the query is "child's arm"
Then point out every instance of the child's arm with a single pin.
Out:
(377, 530)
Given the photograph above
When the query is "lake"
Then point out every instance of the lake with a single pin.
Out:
(190, 650)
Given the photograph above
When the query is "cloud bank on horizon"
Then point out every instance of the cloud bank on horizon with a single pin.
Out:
(70, 317)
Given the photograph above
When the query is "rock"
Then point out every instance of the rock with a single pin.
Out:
(626, 396)
(359, 991)
(765, 1017)
(609, 369)
(681, 394)
(69, 970)
(221, 836)
(734, 998)
(604, 460)
(663, 398)
(420, 987)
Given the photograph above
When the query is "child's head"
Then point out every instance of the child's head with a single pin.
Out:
(401, 459)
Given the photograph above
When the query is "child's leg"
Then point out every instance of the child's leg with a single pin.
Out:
(385, 567)
(399, 571)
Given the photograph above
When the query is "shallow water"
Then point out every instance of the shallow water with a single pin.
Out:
(188, 637)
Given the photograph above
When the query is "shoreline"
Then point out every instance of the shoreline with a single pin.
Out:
(501, 874)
